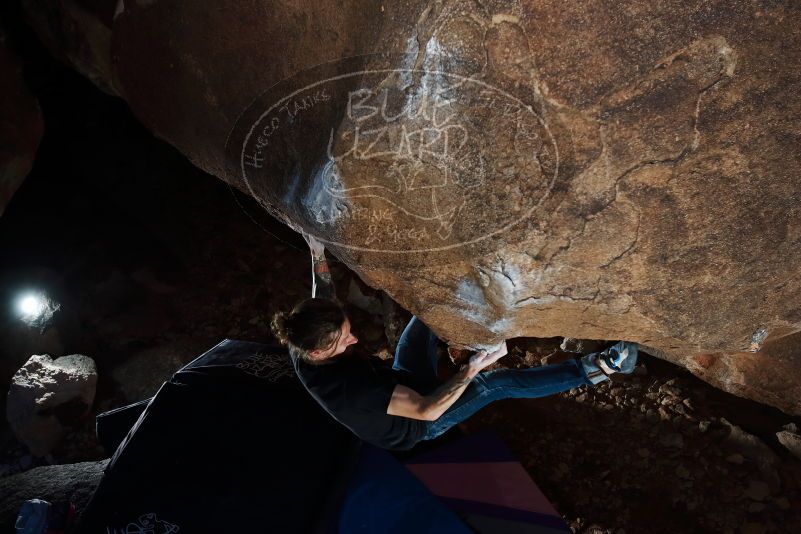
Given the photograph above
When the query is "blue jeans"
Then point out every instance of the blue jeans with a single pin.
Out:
(416, 360)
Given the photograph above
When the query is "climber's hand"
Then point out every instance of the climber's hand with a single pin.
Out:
(483, 359)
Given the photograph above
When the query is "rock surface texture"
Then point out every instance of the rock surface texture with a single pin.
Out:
(21, 126)
(791, 440)
(78, 33)
(47, 395)
(501, 169)
(56, 484)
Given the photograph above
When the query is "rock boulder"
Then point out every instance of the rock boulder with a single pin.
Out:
(21, 126)
(503, 169)
(47, 395)
(54, 483)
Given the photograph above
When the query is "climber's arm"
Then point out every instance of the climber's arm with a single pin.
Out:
(406, 402)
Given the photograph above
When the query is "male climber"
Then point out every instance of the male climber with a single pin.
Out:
(399, 407)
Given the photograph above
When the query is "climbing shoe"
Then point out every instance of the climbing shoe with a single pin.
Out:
(619, 358)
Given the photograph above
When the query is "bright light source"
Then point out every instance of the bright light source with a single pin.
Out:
(36, 309)
(31, 305)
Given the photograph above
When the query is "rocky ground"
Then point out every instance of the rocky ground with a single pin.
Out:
(154, 261)
(659, 451)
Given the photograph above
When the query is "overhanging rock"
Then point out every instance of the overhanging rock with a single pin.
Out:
(505, 169)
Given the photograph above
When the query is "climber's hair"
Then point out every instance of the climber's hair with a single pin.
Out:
(314, 323)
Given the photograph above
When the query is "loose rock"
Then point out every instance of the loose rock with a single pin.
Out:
(46, 394)
(735, 458)
(757, 491)
(672, 440)
(791, 441)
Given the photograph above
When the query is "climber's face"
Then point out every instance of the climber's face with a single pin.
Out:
(344, 339)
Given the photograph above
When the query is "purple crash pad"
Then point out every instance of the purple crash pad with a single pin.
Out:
(479, 478)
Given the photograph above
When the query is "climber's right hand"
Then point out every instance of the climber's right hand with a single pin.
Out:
(483, 358)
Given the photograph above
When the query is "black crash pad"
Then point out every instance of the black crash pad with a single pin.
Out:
(231, 443)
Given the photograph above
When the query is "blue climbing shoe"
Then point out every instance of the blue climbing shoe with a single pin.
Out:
(619, 358)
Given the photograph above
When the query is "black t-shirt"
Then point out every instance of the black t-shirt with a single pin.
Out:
(356, 392)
